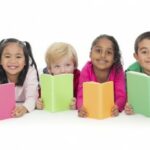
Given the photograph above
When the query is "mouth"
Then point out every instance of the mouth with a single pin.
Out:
(12, 67)
(148, 61)
(101, 61)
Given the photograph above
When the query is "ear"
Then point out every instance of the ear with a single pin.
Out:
(49, 71)
(135, 55)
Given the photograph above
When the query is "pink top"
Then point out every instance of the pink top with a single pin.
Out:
(76, 74)
(87, 74)
(28, 93)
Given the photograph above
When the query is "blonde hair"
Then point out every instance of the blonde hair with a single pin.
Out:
(58, 50)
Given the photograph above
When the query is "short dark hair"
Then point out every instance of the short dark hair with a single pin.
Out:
(145, 35)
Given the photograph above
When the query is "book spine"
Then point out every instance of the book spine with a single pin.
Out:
(149, 99)
(53, 94)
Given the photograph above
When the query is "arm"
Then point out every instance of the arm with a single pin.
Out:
(39, 104)
(129, 109)
(82, 79)
(76, 82)
(81, 110)
(85, 75)
(120, 90)
(31, 89)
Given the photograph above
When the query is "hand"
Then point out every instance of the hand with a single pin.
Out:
(82, 112)
(115, 111)
(19, 111)
(73, 104)
(129, 109)
(39, 104)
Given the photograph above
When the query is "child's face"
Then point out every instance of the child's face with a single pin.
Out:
(102, 54)
(64, 65)
(143, 55)
(12, 60)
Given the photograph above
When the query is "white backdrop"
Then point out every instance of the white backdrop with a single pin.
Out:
(42, 22)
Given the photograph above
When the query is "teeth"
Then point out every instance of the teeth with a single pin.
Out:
(12, 67)
(102, 61)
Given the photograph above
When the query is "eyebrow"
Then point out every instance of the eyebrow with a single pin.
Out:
(110, 48)
(143, 48)
(20, 54)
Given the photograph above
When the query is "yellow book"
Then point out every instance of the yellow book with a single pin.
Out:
(98, 99)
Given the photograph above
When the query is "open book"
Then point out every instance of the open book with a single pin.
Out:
(138, 90)
(7, 100)
(56, 91)
(98, 99)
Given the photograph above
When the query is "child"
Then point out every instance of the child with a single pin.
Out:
(17, 65)
(62, 58)
(142, 56)
(105, 65)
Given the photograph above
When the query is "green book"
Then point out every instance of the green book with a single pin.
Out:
(56, 91)
(138, 89)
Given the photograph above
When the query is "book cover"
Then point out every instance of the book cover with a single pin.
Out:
(56, 91)
(98, 99)
(138, 91)
(7, 100)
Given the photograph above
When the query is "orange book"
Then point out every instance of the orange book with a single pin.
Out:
(98, 99)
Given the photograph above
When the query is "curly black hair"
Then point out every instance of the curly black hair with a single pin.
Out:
(117, 55)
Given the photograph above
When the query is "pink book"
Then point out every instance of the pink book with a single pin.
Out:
(7, 100)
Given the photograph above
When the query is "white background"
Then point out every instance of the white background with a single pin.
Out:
(42, 22)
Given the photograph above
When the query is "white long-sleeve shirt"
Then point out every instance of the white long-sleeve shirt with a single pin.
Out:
(28, 93)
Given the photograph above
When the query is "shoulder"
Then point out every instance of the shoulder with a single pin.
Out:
(87, 67)
(31, 74)
(117, 72)
(87, 73)
(31, 70)
(134, 67)
(76, 72)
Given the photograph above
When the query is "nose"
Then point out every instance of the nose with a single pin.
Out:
(148, 54)
(102, 54)
(62, 70)
(13, 59)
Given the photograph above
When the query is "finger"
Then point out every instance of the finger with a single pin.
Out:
(74, 99)
(20, 113)
(83, 114)
(114, 114)
(80, 113)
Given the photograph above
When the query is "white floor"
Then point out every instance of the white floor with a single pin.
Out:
(41, 130)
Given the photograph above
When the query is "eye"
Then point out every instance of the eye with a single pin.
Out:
(68, 65)
(18, 56)
(7, 56)
(143, 51)
(56, 66)
(97, 50)
(109, 52)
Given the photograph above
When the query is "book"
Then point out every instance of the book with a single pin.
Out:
(56, 91)
(138, 91)
(7, 100)
(98, 99)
